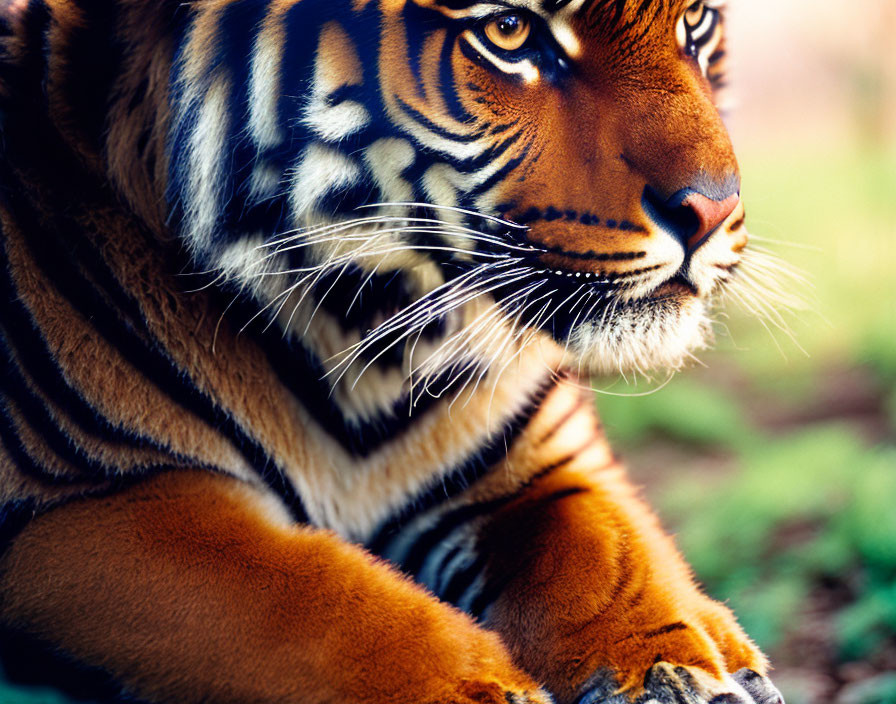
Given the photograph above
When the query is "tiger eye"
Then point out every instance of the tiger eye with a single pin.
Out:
(694, 14)
(508, 32)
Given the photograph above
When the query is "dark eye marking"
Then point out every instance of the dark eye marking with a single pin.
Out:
(554, 5)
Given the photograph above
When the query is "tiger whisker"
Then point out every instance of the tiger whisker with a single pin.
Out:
(585, 297)
(412, 318)
(382, 352)
(532, 328)
(468, 297)
(764, 313)
(784, 243)
(472, 329)
(509, 339)
(379, 234)
(349, 258)
(410, 315)
(453, 209)
(767, 261)
(320, 301)
(270, 304)
(422, 312)
(326, 232)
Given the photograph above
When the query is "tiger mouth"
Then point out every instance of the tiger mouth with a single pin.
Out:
(678, 285)
(562, 291)
(568, 270)
(569, 280)
(559, 300)
(564, 281)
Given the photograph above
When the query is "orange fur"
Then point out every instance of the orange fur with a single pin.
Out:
(196, 585)
(613, 590)
(191, 564)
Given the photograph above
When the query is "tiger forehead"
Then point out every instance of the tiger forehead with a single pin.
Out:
(476, 8)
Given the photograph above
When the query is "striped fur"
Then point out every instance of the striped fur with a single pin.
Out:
(292, 286)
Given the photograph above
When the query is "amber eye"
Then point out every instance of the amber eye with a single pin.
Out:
(694, 14)
(508, 32)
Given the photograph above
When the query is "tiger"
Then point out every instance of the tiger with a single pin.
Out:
(300, 304)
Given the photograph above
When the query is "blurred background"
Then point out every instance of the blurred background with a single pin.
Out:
(775, 463)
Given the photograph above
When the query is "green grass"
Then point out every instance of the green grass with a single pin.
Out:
(836, 496)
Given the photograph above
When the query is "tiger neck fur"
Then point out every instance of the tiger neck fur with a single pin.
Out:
(111, 342)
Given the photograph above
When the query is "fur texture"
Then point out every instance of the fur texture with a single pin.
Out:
(297, 299)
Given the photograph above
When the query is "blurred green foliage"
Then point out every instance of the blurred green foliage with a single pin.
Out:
(793, 521)
(822, 481)
(801, 508)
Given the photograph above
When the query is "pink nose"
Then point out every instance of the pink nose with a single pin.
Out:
(710, 214)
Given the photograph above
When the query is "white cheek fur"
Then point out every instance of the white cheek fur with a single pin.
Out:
(637, 339)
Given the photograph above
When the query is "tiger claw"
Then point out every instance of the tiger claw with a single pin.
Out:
(492, 693)
(758, 687)
(539, 698)
(668, 684)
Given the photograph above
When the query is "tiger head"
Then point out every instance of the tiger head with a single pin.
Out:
(390, 163)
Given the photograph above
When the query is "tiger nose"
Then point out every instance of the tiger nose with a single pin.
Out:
(688, 215)
(710, 214)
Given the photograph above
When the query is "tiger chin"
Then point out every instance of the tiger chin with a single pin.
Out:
(295, 303)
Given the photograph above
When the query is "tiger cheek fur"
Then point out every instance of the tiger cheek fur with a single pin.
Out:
(293, 298)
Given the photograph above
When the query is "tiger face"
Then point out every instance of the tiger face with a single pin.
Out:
(562, 160)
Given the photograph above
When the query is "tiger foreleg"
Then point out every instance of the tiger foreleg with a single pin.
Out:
(597, 603)
(193, 588)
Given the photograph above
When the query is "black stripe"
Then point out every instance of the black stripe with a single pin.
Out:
(431, 126)
(446, 525)
(678, 626)
(554, 5)
(20, 456)
(446, 559)
(581, 401)
(35, 357)
(92, 58)
(301, 371)
(36, 414)
(50, 245)
(462, 579)
(499, 175)
(494, 588)
(494, 153)
(496, 584)
(448, 83)
(14, 516)
(457, 481)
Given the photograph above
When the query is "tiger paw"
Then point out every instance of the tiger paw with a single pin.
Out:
(702, 658)
(665, 683)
